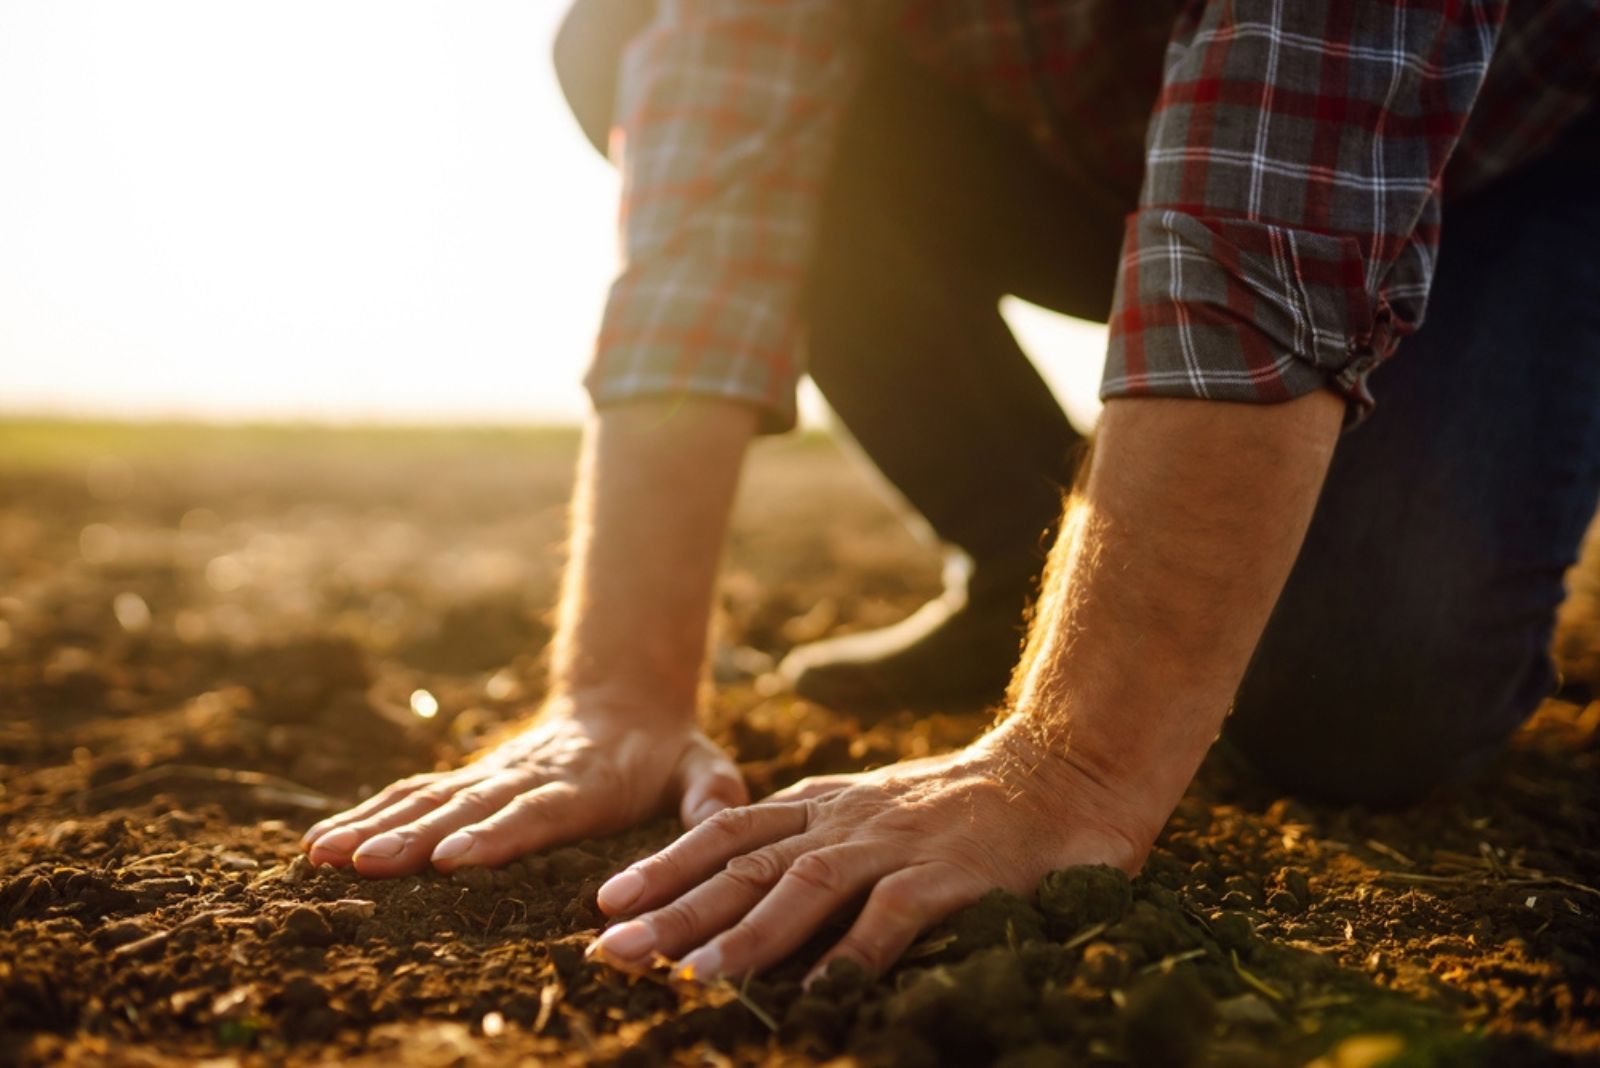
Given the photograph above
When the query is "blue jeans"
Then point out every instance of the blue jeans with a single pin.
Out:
(1412, 636)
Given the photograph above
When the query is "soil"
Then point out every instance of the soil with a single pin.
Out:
(209, 638)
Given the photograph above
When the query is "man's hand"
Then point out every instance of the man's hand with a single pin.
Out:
(1159, 585)
(917, 839)
(574, 773)
(616, 742)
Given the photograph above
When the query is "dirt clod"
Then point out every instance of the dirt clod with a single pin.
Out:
(1168, 1020)
(308, 926)
(1077, 897)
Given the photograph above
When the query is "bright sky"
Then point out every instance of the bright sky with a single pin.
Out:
(311, 209)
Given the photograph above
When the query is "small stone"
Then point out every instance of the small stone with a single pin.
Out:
(1283, 901)
(308, 926)
(1233, 930)
(298, 871)
(120, 934)
(1297, 883)
(567, 957)
(350, 911)
(1249, 889)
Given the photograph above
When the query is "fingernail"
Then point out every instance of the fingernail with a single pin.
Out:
(620, 891)
(382, 847)
(705, 810)
(455, 846)
(311, 833)
(627, 941)
(340, 842)
(701, 966)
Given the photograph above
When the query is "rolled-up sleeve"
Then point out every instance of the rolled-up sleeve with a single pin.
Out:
(727, 112)
(1289, 217)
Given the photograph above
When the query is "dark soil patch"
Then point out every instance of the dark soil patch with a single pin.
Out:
(209, 639)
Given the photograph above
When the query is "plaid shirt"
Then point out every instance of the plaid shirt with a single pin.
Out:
(1289, 160)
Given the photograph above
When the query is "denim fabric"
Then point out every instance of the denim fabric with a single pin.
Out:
(1411, 638)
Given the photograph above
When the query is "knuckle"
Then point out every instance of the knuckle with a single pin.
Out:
(732, 823)
(528, 805)
(898, 895)
(727, 785)
(661, 867)
(756, 871)
(741, 940)
(678, 921)
(819, 872)
(436, 793)
(477, 797)
(812, 809)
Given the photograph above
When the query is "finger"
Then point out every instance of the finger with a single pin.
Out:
(382, 799)
(402, 848)
(816, 886)
(337, 845)
(805, 789)
(702, 913)
(698, 855)
(546, 816)
(900, 907)
(708, 782)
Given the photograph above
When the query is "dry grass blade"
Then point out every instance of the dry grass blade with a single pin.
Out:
(548, 998)
(1167, 963)
(1087, 934)
(929, 947)
(1391, 852)
(263, 788)
(1255, 982)
(1487, 877)
(744, 999)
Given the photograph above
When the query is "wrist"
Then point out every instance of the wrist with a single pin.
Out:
(624, 704)
(1081, 789)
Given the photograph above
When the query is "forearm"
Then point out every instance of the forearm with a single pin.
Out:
(1167, 567)
(655, 484)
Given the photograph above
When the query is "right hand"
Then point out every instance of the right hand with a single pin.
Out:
(581, 769)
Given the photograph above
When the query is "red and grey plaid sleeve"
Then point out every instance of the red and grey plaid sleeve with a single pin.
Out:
(726, 118)
(1289, 217)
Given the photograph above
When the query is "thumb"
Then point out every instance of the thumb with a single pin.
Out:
(708, 782)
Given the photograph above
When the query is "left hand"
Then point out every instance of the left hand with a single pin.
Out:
(919, 839)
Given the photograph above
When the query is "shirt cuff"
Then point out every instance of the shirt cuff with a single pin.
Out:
(1225, 309)
(678, 334)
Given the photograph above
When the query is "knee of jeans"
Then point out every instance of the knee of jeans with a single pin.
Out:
(1381, 738)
